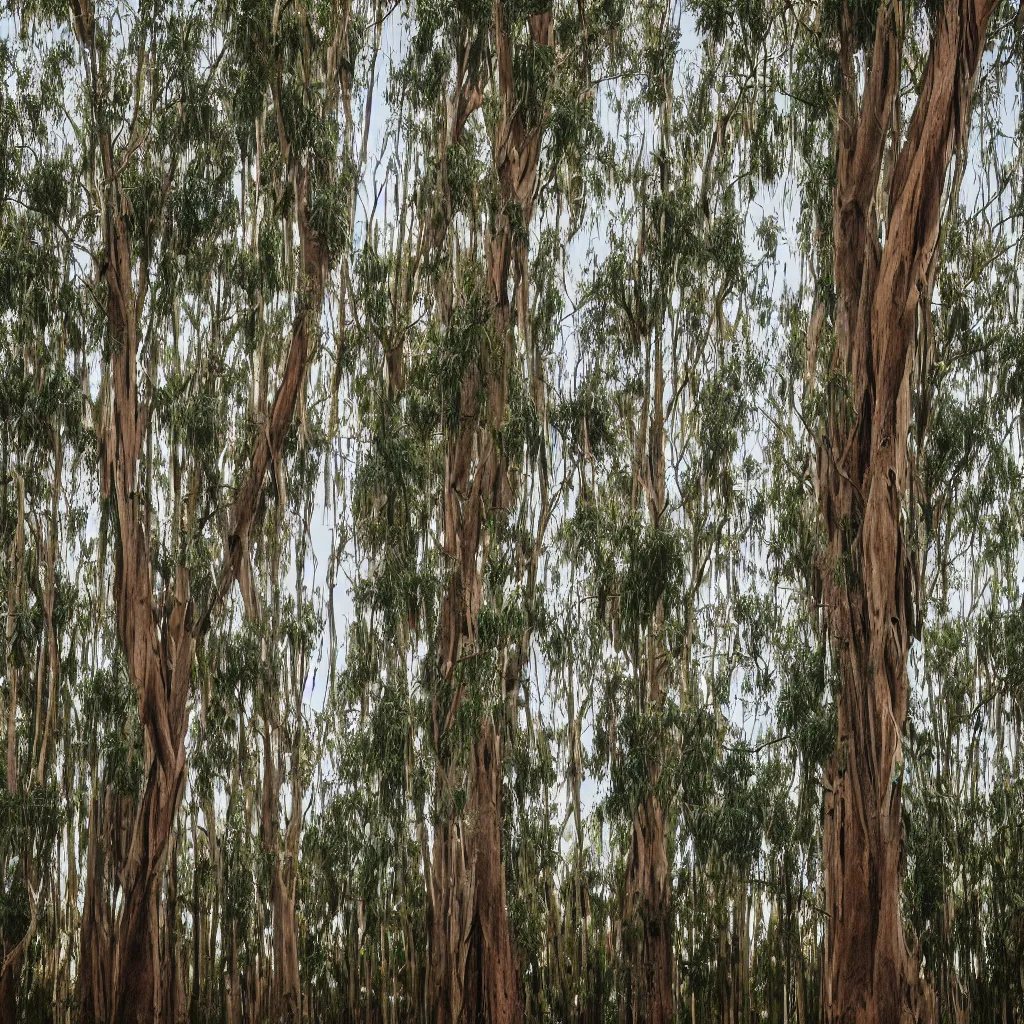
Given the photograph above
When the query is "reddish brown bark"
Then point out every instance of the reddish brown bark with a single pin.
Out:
(474, 973)
(647, 920)
(872, 976)
(158, 632)
(95, 993)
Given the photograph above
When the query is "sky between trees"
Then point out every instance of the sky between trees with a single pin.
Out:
(511, 511)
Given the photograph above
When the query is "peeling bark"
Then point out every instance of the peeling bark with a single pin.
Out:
(872, 975)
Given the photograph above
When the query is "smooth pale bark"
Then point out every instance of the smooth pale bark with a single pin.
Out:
(872, 976)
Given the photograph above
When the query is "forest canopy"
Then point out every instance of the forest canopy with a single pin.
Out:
(511, 511)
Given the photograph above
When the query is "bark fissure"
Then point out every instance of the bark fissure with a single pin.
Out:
(863, 472)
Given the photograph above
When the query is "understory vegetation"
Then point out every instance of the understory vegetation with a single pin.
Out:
(511, 510)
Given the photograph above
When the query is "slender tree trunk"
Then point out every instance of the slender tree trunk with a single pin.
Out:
(474, 970)
(285, 979)
(862, 465)
(646, 909)
(96, 953)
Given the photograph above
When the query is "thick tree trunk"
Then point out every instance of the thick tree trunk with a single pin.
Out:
(492, 969)
(157, 641)
(473, 968)
(647, 916)
(872, 976)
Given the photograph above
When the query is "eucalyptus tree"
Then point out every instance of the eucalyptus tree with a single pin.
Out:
(473, 967)
(661, 405)
(863, 469)
(293, 71)
(964, 787)
(167, 221)
(45, 559)
(463, 338)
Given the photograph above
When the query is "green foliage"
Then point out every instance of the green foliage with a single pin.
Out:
(649, 630)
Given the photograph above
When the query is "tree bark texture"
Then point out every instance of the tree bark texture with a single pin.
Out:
(95, 993)
(872, 976)
(648, 919)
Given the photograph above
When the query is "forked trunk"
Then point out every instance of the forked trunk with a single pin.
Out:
(872, 976)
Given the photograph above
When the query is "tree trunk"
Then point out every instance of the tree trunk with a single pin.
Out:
(492, 970)
(647, 915)
(285, 978)
(473, 967)
(96, 955)
(158, 636)
(647, 912)
(862, 464)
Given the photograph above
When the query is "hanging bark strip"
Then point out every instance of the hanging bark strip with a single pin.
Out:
(862, 465)
(473, 968)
